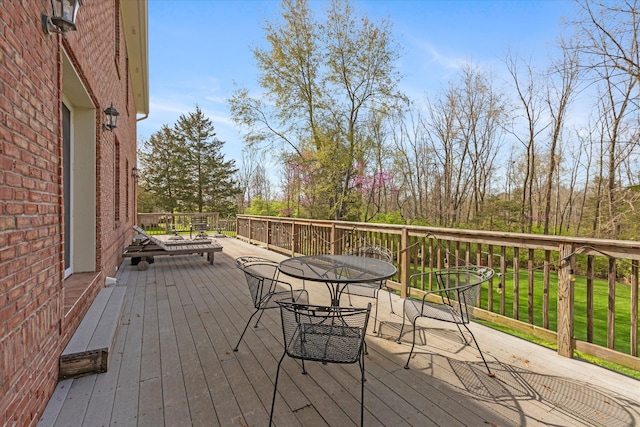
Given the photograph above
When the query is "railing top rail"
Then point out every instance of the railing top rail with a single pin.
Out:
(628, 249)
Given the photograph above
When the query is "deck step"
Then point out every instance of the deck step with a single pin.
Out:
(89, 349)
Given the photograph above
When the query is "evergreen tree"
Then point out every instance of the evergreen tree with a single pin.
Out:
(161, 170)
(186, 170)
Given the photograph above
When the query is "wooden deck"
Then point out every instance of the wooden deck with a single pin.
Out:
(174, 366)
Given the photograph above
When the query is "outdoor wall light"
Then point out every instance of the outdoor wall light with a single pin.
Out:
(63, 18)
(135, 173)
(111, 115)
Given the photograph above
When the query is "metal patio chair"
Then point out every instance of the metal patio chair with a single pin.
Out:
(328, 334)
(269, 264)
(453, 301)
(370, 290)
(265, 289)
(200, 225)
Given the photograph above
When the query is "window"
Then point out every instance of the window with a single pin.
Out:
(126, 189)
(116, 35)
(116, 182)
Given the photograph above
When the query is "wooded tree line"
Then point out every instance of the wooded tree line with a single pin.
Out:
(553, 151)
(521, 157)
(183, 169)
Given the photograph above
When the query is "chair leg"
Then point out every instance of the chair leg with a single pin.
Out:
(413, 344)
(259, 317)
(375, 316)
(245, 329)
(362, 379)
(491, 374)
(462, 333)
(390, 301)
(399, 340)
(275, 389)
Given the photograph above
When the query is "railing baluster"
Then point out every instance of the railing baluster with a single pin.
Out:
(516, 286)
(545, 289)
(590, 273)
(530, 294)
(634, 308)
(611, 310)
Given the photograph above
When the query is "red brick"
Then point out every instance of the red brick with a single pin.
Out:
(31, 330)
(6, 312)
(7, 254)
(12, 179)
(14, 208)
(7, 223)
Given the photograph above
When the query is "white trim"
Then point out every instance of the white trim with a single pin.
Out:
(70, 191)
(83, 169)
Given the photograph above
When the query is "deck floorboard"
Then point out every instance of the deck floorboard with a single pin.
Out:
(174, 365)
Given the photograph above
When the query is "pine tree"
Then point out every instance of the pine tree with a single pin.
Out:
(185, 168)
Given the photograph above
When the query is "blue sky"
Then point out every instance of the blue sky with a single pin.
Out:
(200, 50)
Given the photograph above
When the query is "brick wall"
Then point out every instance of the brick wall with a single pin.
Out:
(33, 328)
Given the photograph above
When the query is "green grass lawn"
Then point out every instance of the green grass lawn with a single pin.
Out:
(163, 230)
(600, 305)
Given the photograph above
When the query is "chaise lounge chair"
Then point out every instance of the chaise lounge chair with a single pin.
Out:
(143, 251)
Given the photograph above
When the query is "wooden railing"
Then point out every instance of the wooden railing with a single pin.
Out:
(558, 282)
(169, 223)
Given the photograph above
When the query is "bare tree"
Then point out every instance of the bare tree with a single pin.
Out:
(245, 176)
(450, 157)
(608, 43)
(609, 35)
(560, 91)
(415, 167)
(528, 94)
(481, 120)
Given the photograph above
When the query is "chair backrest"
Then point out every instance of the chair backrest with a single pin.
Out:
(141, 231)
(371, 251)
(261, 275)
(247, 260)
(149, 237)
(256, 287)
(199, 223)
(324, 333)
(462, 286)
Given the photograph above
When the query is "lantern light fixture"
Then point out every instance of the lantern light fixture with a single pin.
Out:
(135, 173)
(63, 17)
(111, 116)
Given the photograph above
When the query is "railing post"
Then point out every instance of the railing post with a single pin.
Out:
(565, 302)
(333, 239)
(403, 262)
(293, 238)
(268, 236)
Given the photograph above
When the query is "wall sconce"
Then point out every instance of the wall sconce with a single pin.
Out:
(135, 173)
(111, 115)
(63, 18)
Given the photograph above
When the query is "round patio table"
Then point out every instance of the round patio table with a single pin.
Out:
(337, 271)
